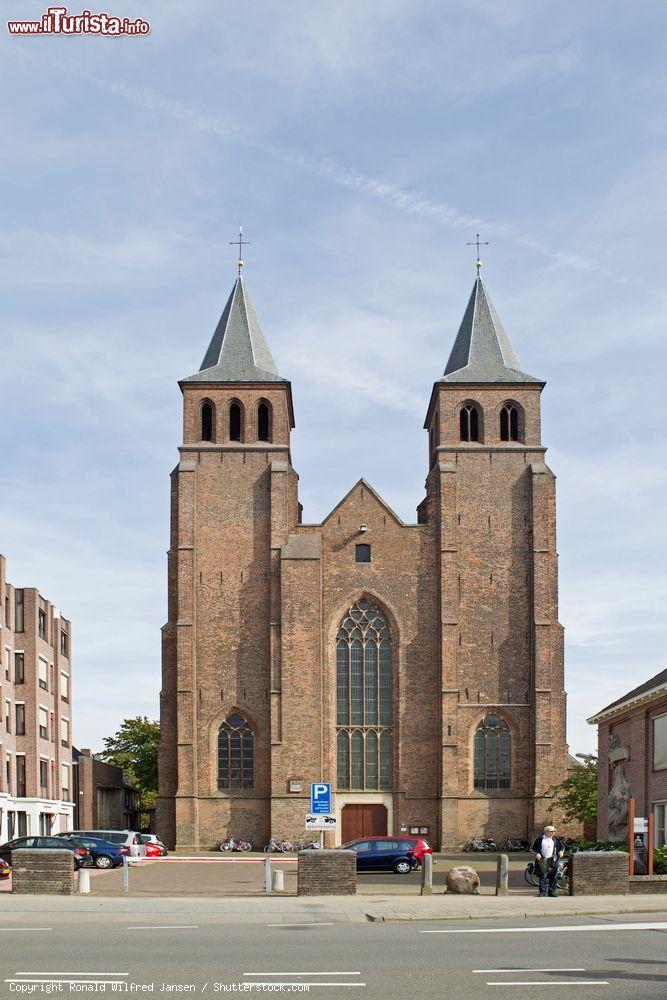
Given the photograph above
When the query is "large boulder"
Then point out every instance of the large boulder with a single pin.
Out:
(463, 880)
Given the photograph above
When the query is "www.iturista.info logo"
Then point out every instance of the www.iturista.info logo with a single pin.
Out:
(56, 21)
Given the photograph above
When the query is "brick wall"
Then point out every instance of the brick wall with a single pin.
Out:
(599, 873)
(327, 873)
(43, 872)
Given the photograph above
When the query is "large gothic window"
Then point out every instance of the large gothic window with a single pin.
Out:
(470, 422)
(235, 753)
(492, 754)
(364, 711)
(509, 423)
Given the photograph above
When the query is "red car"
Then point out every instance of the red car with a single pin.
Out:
(153, 850)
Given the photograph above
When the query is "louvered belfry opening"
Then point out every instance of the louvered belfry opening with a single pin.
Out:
(364, 713)
(470, 422)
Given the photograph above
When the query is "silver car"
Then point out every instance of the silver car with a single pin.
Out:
(128, 838)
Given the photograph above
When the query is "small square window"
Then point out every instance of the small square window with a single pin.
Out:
(362, 553)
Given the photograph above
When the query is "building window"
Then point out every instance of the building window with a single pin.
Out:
(43, 674)
(509, 423)
(44, 779)
(41, 615)
(64, 687)
(20, 776)
(492, 754)
(235, 753)
(22, 819)
(18, 611)
(470, 422)
(7, 625)
(19, 668)
(660, 742)
(207, 422)
(64, 732)
(660, 824)
(8, 714)
(362, 553)
(8, 653)
(45, 824)
(43, 716)
(20, 718)
(64, 643)
(64, 783)
(364, 709)
(263, 422)
(235, 422)
(8, 771)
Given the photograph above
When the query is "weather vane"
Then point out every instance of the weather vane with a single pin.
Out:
(240, 243)
(477, 244)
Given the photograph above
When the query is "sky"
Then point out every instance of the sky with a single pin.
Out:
(362, 145)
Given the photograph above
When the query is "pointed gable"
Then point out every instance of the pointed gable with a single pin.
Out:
(482, 351)
(364, 484)
(238, 351)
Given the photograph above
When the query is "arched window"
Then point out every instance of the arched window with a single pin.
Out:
(470, 422)
(235, 422)
(509, 423)
(263, 422)
(235, 753)
(207, 422)
(364, 709)
(492, 754)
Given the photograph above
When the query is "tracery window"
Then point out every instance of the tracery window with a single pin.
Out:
(235, 753)
(509, 423)
(469, 419)
(492, 754)
(364, 703)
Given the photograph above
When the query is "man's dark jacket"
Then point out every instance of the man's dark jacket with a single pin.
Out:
(559, 845)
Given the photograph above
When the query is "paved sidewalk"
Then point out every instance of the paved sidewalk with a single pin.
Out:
(318, 909)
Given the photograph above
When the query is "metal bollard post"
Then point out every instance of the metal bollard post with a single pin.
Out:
(267, 874)
(83, 880)
(427, 875)
(502, 875)
(126, 874)
(278, 883)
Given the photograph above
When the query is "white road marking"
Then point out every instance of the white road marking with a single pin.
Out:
(565, 982)
(310, 923)
(163, 927)
(487, 971)
(556, 929)
(26, 928)
(301, 973)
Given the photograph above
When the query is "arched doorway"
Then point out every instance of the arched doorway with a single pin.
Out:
(363, 819)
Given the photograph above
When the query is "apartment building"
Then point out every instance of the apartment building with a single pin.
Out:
(36, 786)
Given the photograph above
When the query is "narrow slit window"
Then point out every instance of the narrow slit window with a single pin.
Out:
(235, 422)
(207, 422)
(263, 422)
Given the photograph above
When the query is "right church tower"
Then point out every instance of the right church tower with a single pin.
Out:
(502, 673)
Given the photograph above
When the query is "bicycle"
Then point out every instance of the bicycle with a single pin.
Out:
(480, 844)
(307, 845)
(235, 845)
(532, 874)
(279, 846)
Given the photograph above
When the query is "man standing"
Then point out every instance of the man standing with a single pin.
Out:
(548, 850)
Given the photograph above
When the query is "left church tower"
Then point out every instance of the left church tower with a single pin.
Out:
(233, 503)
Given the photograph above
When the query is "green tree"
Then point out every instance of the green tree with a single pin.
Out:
(577, 796)
(134, 748)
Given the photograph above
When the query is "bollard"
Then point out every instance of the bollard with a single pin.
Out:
(278, 883)
(267, 875)
(427, 875)
(502, 874)
(83, 880)
(126, 874)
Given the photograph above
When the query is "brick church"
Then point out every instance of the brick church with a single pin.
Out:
(417, 666)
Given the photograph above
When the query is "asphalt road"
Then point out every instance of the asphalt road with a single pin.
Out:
(461, 960)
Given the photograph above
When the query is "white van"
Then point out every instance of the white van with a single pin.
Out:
(128, 838)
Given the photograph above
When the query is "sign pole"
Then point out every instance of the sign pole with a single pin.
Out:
(651, 835)
(631, 836)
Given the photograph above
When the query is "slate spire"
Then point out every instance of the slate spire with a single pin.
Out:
(482, 351)
(238, 351)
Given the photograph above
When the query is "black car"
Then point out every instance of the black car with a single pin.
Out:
(382, 854)
(81, 854)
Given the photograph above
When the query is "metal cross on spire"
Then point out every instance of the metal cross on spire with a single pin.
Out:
(477, 244)
(240, 243)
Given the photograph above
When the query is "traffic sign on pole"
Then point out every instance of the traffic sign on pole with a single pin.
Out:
(320, 797)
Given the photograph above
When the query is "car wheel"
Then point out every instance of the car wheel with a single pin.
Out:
(103, 861)
(402, 867)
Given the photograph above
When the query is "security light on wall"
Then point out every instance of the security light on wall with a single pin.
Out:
(362, 528)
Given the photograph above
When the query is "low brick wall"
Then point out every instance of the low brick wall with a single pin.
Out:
(599, 873)
(47, 871)
(648, 883)
(327, 873)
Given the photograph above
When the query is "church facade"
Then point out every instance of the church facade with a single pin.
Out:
(416, 666)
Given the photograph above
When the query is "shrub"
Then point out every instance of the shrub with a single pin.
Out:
(660, 860)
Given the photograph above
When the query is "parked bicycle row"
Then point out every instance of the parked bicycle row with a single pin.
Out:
(274, 846)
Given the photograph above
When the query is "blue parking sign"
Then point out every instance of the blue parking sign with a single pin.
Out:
(320, 797)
